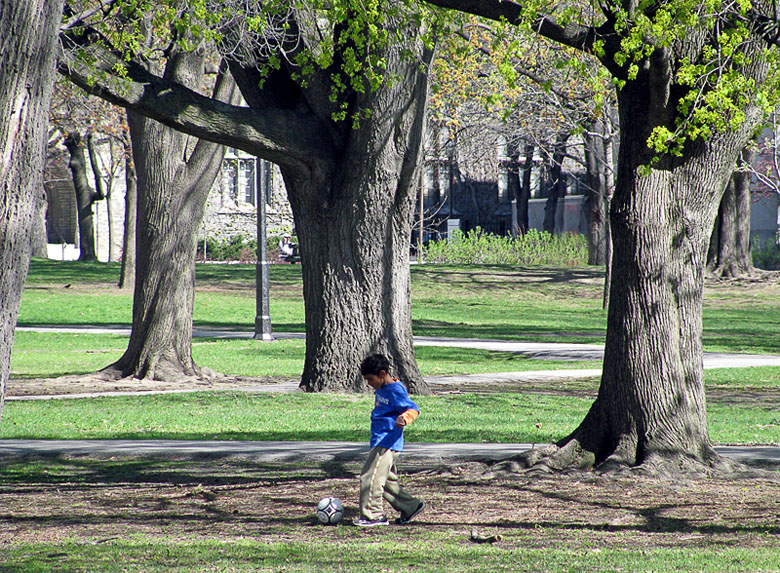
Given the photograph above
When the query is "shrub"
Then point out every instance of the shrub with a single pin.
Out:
(234, 249)
(533, 248)
(766, 255)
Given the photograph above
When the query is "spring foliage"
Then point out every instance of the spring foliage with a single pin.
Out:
(347, 39)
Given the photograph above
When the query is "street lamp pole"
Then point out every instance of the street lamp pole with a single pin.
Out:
(263, 329)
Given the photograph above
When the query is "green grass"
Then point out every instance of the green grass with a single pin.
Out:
(496, 418)
(344, 550)
(48, 355)
(477, 301)
(480, 301)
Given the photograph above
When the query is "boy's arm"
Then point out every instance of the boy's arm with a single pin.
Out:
(407, 417)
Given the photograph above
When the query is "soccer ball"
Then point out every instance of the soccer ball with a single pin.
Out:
(330, 510)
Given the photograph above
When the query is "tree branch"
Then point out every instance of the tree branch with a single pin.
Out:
(282, 136)
(573, 35)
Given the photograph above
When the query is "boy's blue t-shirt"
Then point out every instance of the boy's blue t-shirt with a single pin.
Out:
(390, 401)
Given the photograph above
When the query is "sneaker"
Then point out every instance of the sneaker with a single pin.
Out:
(363, 522)
(404, 520)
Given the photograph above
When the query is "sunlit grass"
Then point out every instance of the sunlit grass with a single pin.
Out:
(476, 301)
(478, 418)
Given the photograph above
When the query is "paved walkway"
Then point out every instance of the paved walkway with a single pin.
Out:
(313, 452)
(533, 350)
(351, 451)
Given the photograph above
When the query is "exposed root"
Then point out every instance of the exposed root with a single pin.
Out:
(162, 371)
(667, 465)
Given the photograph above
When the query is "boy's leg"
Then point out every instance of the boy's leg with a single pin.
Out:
(372, 482)
(400, 499)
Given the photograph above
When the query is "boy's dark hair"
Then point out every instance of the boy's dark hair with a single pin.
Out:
(373, 364)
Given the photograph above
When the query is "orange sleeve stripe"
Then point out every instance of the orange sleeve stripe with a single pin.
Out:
(410, 416)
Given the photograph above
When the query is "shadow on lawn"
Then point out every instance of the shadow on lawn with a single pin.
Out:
(166, 499)
(502, 276)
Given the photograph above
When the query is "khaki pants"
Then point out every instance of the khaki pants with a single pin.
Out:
(378, 479)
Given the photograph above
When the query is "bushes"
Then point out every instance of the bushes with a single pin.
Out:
(766, 255)
(474, 247)
(237, 249)
(533, 248)
(234, 249)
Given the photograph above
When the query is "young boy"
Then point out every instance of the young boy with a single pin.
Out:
(393, 409)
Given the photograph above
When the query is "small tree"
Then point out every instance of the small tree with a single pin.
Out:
(86, 196)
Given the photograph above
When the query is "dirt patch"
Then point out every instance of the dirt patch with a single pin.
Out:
(96, 384)
(101, 500)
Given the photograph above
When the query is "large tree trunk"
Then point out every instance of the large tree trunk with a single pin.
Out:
(729, 254)
(174, 179)
(650, 410)
(85, 196)
(355, 253)
(28, 31)
(354, 218)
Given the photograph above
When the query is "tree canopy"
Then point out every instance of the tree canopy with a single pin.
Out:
(707, 48)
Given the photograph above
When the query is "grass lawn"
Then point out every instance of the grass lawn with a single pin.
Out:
(47, 355)
(484, 301)
(85, 514)
(538, 417)
(528, 304)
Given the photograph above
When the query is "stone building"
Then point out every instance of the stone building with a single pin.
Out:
(230, 210)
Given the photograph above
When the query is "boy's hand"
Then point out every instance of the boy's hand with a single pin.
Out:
(406, 418)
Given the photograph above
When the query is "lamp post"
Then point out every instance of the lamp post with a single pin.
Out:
(263, 329)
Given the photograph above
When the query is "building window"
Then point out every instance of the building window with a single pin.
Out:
(239, 180)
(247, 180)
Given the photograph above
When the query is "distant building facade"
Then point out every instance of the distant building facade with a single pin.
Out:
(465, 181)
(231, 208)
(464, 184)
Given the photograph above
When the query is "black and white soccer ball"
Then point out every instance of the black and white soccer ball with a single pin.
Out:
(330, 510)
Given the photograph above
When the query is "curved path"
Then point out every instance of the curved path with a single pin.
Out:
(350, 451)
(534, 350)
(313, 452)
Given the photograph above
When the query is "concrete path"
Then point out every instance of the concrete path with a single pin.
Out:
(351, 451)
(535, 350)
(314, 452)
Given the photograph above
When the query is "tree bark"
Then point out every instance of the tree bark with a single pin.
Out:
(650, 410)
(40, 239)
(525, 190)
(557, 184)
(127, 269)
(85, 196)
(356, 302)
(28, 30)
(596, 192)
(729, 253)
(174, 179)
(102, 190)
(354, 216)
